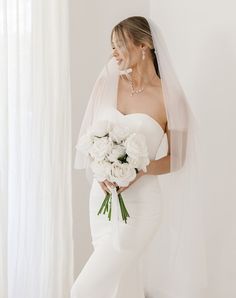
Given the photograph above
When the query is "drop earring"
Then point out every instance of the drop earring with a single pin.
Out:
(143, 54)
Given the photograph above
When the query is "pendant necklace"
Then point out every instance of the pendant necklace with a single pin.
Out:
(133, 91)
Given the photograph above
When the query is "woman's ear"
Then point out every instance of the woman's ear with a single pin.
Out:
(143, 46)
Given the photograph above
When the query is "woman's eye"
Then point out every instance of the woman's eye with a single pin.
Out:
(118, 47)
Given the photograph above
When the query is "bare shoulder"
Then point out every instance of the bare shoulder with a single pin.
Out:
(155, 105)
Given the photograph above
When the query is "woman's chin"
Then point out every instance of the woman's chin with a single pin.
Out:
(123, 67)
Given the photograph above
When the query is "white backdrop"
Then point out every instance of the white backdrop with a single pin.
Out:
(200, 39)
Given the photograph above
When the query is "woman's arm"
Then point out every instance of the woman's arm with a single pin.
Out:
(159, 166)
(162, 165)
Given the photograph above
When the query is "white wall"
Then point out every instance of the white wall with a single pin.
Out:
(202, 41)
(91, 23)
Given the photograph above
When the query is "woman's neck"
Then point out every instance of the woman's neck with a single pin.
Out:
(143, 74)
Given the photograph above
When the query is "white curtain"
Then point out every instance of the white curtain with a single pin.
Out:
(36, 251)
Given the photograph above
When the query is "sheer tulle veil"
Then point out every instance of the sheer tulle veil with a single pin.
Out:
(175, 261)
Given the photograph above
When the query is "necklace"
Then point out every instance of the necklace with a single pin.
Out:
(133, 91)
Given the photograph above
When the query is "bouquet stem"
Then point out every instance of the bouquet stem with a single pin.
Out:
(107, 206)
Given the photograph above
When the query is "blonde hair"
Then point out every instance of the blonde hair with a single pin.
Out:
(138, 30)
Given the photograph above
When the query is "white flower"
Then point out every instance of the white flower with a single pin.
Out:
(122, 173)
(101, 169)
(100, 148)
(119, 133)
(116, 152)
(102, 128)
(140, 163)
(136, 146)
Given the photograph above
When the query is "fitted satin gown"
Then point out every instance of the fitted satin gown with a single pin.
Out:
(118, 274)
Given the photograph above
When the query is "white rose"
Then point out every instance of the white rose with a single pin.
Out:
(102, 128)
(122, 173)
(119, 133)
(136, 146)
(100, 148)
(101, 169)
(116, 152)
(140, 163)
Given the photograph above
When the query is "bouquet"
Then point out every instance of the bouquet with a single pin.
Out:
(115, 153)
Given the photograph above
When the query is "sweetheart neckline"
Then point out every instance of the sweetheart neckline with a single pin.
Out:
(146, 115)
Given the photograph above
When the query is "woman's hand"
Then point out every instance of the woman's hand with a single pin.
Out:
(138, 175)
(104, 185)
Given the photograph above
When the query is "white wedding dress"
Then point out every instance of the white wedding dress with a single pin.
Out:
(109, 273)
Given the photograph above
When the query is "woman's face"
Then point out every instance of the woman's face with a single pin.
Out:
(126, 56)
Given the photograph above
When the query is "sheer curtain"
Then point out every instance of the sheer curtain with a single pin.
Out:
(36, 251)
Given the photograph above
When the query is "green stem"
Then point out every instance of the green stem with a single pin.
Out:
(125, 213)
(107, 207)
(104, 203)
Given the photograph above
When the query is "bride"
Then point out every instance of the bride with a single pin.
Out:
(161, 248)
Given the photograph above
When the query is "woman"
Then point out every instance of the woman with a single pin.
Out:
(138, 87)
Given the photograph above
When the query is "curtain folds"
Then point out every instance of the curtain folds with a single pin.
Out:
(36, 244)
